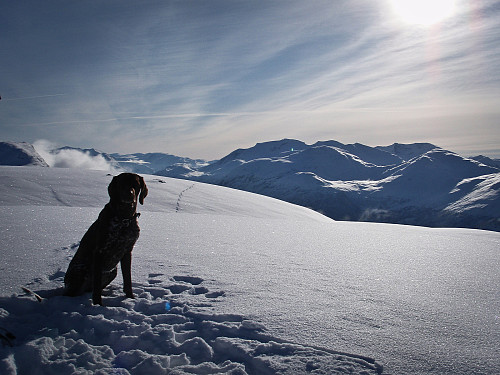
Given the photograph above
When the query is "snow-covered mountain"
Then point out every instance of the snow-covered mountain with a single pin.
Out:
(137, 163)
(418, 184)
(20, 153)
(90, 158)
(229, 282)
(407, 151)
(487, 161)
(151, 162)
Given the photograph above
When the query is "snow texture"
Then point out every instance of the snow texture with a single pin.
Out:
(167, 329)
(170, 326)
(234, 282)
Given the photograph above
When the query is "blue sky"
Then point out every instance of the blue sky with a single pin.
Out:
(202, 78)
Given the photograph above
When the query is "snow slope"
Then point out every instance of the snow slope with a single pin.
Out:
(227, 280)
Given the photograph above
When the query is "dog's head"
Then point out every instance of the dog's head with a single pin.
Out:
(126, 188)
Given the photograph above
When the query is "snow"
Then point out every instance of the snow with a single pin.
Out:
(407, 151)
(233, 282)
(479, 194)
(429, 178)
(152, 162)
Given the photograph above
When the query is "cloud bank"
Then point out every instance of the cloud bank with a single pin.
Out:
(70, 158)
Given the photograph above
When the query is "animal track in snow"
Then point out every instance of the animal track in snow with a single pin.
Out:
(179, 198)
(188, 279)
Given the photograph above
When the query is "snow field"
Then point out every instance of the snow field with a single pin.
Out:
(261, 273)
(171, 326)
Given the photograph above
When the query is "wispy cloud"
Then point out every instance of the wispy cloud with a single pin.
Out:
(201, 79)
(33, 97)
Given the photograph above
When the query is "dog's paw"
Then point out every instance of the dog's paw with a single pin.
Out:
(97, 300)
(130, 295)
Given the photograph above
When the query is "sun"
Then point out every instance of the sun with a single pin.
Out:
(423, 12)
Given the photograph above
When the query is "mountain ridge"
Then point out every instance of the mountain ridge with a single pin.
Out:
(416, 184)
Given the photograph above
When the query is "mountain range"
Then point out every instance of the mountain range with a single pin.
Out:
(415, 184)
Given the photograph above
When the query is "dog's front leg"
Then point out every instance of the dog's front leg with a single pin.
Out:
(96, 279)
(126, 266)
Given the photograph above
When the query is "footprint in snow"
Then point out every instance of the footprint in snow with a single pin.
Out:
(184, 284)
(157, 332)
(188, 279)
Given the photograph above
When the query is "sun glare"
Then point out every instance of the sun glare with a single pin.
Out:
(423, 12)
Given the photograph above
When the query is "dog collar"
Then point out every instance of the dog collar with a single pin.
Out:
(126, 222)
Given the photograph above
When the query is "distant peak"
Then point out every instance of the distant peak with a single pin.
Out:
(407, 151)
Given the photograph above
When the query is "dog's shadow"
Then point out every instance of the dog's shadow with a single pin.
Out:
(49, 293)
(33, 287)
(111, 291)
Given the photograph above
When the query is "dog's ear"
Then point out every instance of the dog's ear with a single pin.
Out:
(113, 188)
(144, 190)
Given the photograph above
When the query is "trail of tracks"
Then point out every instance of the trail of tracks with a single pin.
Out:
(179, 198)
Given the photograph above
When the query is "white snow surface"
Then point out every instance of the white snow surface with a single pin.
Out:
(233, 282)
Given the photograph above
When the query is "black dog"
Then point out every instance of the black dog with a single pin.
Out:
(109, 240)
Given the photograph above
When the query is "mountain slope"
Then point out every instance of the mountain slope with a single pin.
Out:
(487, 161)
(428, 179)
(20, 153)
(407, 151)
(374, 155)
(151, 162)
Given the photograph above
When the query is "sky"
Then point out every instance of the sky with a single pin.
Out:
(202, 78)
